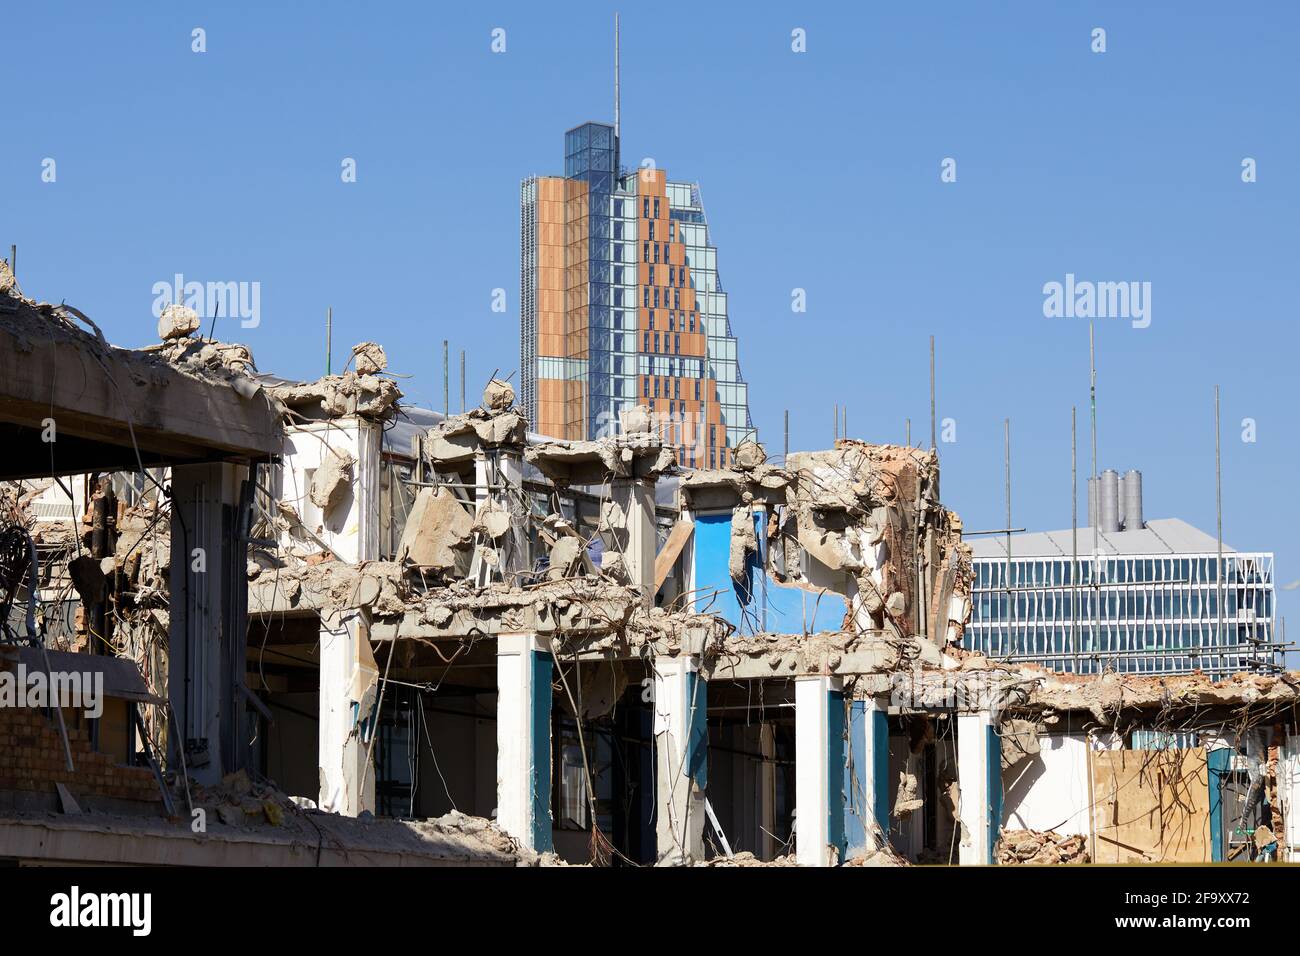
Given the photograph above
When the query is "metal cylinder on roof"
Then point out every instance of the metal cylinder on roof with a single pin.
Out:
(1109, 515)
(1131, 493)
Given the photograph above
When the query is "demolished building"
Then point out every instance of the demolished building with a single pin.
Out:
(444, 637)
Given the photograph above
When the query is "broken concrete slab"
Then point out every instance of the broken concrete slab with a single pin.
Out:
(177, 322)
(438, 530)
(369, 358)
(498, 396)
(332, 479)
(337, 396)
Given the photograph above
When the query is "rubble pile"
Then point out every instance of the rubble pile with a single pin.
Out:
(1035, 848)
(239, 801)
(881, 856)
(745, 859)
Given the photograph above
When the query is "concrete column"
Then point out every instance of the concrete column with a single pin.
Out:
(636, 498)
(819, 770)
(1288, 785)
(767, 789)
(348, 692)
(494, 477)
(866, 777)
(681, 758)
(524, 739)
(209, 589)
(979, 780)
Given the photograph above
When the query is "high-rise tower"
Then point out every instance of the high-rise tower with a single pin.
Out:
(620, 304)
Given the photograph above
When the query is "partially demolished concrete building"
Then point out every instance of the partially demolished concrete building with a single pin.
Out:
(343, 630)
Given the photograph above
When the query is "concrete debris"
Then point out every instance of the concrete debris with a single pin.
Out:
(499, 396)
(744, 542)
(908, 798)
(636, 455)
(332, 480)
(337, 396)
(748, 455)
(369, 358)
(860, 520)
(240, 801)
(637, 420)
(881, 856)
(438, 531)
(177, 322)
(379, 586)
(1111, 695)
(492, 518)
(458, 439)
(872, 511)
(614, 567)
(612, 517)
(28, 323)
(566, 552)
(587, 604)
(1035, 848)
(747, 859)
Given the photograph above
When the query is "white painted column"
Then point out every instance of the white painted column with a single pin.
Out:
(348, 690)
(681, 758)
(636, 496)
(1288, 786)
(819, 770)
(979, 780)
(524, 739)
(502, 486)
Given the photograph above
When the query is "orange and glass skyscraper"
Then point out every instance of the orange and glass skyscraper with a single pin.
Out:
(621, 305)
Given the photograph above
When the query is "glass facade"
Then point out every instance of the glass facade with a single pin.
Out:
(687, 210)
(1145, 613)
(621, 305)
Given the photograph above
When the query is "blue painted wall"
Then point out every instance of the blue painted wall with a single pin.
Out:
(757, 603)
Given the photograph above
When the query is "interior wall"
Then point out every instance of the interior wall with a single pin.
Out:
(1049, 790)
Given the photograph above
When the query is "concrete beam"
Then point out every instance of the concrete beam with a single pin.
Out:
(524, 668)
(681, 759)
(107, 401)
(819, 762)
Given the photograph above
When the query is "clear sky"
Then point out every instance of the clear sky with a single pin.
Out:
(820, 171)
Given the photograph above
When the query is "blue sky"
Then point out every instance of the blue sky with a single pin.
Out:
(819, 171)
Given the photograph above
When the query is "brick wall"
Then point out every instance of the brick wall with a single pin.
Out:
(31, 759)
